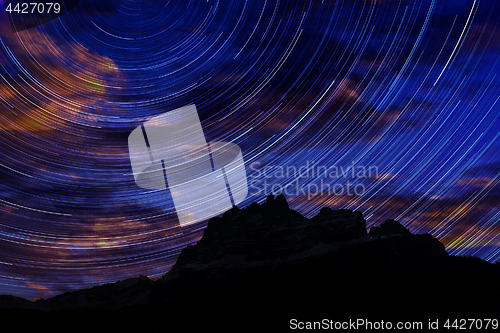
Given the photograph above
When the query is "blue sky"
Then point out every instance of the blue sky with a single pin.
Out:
(410, 87)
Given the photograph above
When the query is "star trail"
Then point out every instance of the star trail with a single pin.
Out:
(408, 88)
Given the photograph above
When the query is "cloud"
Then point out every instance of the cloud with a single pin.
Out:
(462, 220)
(51, 84)
(40, 291)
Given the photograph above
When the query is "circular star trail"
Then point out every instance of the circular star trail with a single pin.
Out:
(386, 107)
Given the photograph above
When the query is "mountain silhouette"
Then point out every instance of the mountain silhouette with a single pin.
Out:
(257, 268)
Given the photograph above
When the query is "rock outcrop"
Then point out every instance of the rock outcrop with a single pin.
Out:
(258, 267)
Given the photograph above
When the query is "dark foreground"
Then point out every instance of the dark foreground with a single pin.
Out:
(258, 268)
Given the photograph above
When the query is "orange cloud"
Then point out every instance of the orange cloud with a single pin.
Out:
(41, 291)
(478, 182)
(53, 84)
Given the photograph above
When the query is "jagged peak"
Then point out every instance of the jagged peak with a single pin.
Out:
(389, 227)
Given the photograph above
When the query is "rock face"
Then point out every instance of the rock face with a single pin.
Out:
(270, 231)
(389, 227)
(257, 268)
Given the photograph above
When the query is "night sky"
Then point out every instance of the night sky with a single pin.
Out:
(407, 87)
